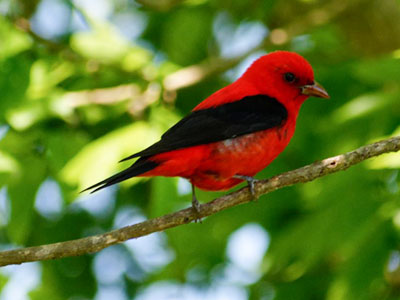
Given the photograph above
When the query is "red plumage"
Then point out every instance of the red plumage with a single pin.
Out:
(212, 166)
(243, 127)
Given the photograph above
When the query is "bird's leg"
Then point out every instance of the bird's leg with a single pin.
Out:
(195, 206)
(250, 182)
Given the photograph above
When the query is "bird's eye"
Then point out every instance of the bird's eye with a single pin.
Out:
(289, 77)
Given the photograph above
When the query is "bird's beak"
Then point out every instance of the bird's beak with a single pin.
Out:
(315, 90)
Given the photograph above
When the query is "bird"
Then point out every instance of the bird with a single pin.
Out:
(235, 132)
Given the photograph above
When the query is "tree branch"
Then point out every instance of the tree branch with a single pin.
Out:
(98, 242)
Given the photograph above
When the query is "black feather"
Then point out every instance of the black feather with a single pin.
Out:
(141, 166)
(248, 115)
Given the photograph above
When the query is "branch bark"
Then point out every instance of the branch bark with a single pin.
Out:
(98, 242)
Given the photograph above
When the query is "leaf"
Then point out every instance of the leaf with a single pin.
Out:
(22, 192)
(378, 71)
(12, 41)
(99, 159)
(341, 217)
(29, 168)
(355, 280)
(105, 44)
(8, 164)
(185, 35)
(163, 196)
(14, 81)
(365, 105)
(388, 160)
(3, 281)
(68, 278)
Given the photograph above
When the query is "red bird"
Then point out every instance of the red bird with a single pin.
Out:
(234, 133)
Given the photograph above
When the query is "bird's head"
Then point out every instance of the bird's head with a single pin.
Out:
(286, 76)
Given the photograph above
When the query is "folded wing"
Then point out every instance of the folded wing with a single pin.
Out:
(248, 115)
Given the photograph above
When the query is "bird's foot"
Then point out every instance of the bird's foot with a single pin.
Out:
(196, 207)
(250, 182)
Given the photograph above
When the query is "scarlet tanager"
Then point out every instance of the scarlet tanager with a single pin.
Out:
(234, 133)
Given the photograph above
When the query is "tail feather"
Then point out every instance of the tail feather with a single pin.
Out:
(139, 167)
(130, 157)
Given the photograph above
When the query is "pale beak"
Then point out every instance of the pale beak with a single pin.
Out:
(315, 90)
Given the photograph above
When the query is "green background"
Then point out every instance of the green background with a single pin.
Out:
(86, 83)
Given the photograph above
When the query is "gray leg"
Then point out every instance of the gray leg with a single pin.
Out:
(195, 205)
(250, 182)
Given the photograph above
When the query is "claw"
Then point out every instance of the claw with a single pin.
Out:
(250, 182)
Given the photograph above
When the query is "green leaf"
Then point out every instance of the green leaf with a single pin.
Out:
(378, 71)
(99, 159)
(14, 81)
(66, 278)
(3, 281)
(185, 35)
(105, 44)
(13, 41)
(22, 192)
(388, 160)
(163, 196)
(8, 164)
(365, 105)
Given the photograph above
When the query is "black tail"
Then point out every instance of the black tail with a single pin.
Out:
(139, 167)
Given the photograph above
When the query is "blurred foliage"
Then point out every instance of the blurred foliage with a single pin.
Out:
(84, 84)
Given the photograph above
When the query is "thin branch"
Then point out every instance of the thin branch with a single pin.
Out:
(98, 242)
(105, 96)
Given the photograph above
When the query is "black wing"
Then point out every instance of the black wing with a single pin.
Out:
(250, 114)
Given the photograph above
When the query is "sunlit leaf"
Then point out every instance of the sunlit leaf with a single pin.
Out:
(8, 164)
(386, 161)
(103, 43)
(99, 159)
(13, 41)
(364, 105)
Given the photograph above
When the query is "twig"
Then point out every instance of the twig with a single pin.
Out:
(98, 242)
(105, 96)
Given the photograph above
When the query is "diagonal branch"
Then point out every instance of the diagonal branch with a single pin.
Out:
(98, 242)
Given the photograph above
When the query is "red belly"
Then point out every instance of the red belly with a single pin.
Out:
(246, 155)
